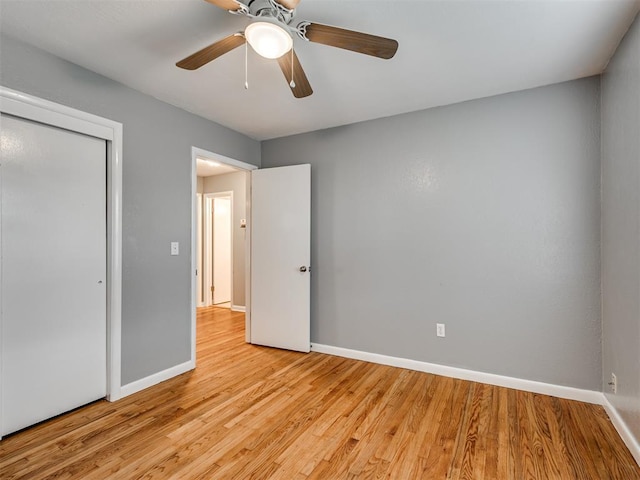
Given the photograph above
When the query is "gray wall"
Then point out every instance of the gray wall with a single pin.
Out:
(156, 198)
(621, 227)
(236, 183)
(482, 215)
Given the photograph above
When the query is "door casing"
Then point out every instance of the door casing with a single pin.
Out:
(199, 273)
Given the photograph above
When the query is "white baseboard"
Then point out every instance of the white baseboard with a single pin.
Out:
(571, 393)
(156, 378)
(238, 308)
(623, 430)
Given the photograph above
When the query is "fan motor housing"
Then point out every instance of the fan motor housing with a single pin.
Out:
(270, 9)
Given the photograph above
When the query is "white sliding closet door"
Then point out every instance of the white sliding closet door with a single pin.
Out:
(53, 232)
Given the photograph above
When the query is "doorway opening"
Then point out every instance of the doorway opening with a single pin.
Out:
(221, 237)
(276, 246)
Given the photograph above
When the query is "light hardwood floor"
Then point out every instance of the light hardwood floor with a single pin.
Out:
(250, 412)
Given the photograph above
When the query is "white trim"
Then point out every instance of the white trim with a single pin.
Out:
(43, 111)
(198, 234)
(49, 113)
(571, 393)
(247, 261)
(621, 426)
(156, 378)
(194, 257)
(238, 308)
(199, 152)
(114, 272)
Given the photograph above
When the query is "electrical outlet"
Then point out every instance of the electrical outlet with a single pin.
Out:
(440, 329)
(614, 383)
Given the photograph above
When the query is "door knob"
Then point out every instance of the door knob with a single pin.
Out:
(303, 269)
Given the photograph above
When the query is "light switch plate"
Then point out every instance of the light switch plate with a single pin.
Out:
(175, 248)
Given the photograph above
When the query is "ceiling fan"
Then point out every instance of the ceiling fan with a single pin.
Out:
(270, 34)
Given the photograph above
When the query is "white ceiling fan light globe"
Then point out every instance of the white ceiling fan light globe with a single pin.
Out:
(268, 39)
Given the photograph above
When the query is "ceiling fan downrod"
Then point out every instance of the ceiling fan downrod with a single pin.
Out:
(246, 65)
(292, 84)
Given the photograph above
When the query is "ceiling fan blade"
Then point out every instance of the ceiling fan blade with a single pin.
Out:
(350, 40)
(302, 87)
(232, 5)
(289, 4)
(213, 51)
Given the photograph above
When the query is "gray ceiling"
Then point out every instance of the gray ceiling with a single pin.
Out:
(450, 51)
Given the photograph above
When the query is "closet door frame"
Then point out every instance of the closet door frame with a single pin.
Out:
(29, 107)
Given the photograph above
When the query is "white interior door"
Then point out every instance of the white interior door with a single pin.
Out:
(280, 257)
(221, 250)
(53, 301)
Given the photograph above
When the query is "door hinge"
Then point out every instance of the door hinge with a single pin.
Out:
(212, 288)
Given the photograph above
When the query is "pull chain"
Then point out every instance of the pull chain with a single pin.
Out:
(246, 63)
(292, 84)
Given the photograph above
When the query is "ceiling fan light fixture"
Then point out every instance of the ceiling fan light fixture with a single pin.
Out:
(268, 39)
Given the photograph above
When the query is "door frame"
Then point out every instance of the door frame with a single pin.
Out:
(208, 256)
(199, 252)
(240, 165)
(29, 107)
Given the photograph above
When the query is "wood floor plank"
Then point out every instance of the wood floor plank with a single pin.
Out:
(415, 429)
(441, 458)
(465, 454)
(255, 412)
